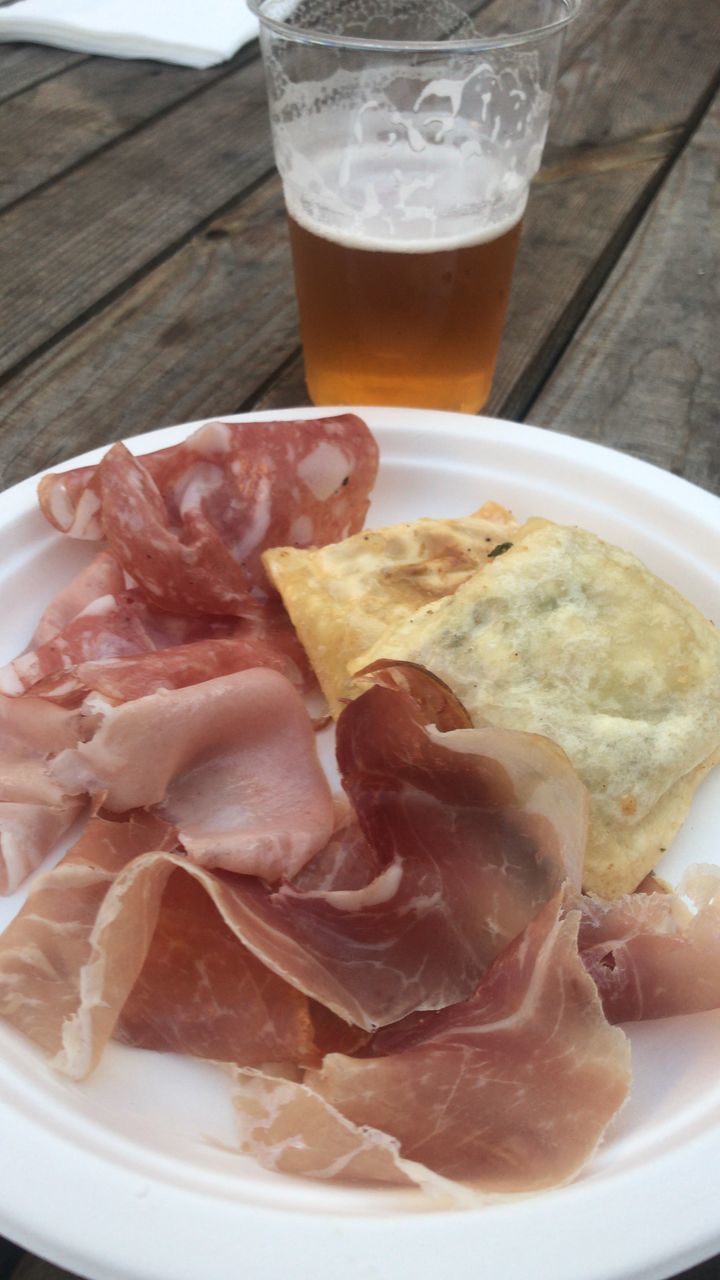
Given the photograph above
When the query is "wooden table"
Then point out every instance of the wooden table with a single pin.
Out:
(145, 275)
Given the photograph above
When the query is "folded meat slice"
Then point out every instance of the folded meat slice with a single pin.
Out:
(35, 809)
(291, 1129)
(461, 838)
(200, 992)
(508, 1091)
(653, 955)
(114, 627)
(121, 940)
(102, 577)
(231, 762)
(46, 952)
(190, 523)
(125, 679)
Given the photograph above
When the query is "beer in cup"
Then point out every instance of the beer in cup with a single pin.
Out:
(406, 135)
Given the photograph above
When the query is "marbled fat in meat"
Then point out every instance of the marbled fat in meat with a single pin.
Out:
(509, 1091)
(653, 955)
(189, 523)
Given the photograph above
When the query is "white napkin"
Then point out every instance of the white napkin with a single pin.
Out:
(195, 33)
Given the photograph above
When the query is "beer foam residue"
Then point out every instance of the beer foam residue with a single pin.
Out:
(375, 243)
(410, 158)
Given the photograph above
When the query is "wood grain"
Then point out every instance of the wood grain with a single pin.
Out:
(574, 232)
(65, 249)
(191, 339)
(643, 371)
(63, 120)
(641, 72)
(32, 1268)
(24, 65)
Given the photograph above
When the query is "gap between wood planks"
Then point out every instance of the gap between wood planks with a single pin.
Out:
(214, 76)
(61, 58)
(523, 394)
(169, 250)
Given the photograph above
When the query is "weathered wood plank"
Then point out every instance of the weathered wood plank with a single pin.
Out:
(193, 338)
(640, 72)
(599, 191)
(204, 332)
(23, 65)
(643, 370)
(32, 1268)
(63, 120)
(69, 246)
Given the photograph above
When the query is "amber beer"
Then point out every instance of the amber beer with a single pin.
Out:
(412, 325)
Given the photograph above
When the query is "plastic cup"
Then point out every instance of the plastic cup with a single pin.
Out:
(406, 135)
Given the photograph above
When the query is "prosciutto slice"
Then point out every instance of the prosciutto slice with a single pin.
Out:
(118, 933)
(210, 757)
(190, 523)
(509, 1091)
(35, 809)
(461, 838)
(656, 954)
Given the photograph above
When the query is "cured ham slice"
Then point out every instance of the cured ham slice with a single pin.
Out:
(231, 762)
(290, 1128)
(509, 1091)
(114, 627)
(47, 953)
(127, 938)
(190, 523)
(656, 954)
(125, 679)
(201, 992)
(102, 577)
(462, 837)
(35, 809)
(115, 933)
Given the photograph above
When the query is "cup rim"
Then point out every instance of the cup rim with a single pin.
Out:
(478, 44)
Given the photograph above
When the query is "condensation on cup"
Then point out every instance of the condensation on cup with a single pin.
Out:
(406, 135)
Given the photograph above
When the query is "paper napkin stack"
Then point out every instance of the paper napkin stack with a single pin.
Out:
(194, 33)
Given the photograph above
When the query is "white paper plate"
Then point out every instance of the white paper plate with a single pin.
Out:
(126, 1176)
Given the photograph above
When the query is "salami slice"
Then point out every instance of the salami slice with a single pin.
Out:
(189, 523)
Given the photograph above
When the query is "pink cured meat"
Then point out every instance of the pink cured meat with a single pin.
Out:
(125, 679)
(190, 523)
(120, 939)
(463, 837)
(123, 647)
(209, 758)
(509, 1091)
(650, 954)
(35, 809)
(316, 933)
(107, 628)
(201, 992)
(102, 577)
